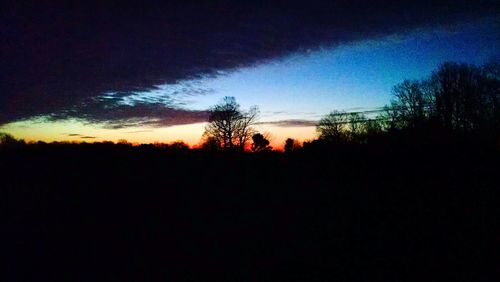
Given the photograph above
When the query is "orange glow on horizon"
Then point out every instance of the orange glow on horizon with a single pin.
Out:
(191, 134)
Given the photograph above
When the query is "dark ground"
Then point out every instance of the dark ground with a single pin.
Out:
(355, 214)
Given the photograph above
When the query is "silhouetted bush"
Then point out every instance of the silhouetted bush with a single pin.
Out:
(291, 145)
(8, 141)
(260, 143)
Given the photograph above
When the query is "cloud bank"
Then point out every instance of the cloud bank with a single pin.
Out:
(59, 59)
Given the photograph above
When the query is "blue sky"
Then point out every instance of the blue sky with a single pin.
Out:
(353, 76)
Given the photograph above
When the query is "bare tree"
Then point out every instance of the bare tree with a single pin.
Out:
(356, 126)
(391, 118)
(374, 127)
(410, 103)
(244, 130)
(230, 126)
(332, 127)
(461, 99)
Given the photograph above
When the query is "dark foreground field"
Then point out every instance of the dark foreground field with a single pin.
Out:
(356, 214)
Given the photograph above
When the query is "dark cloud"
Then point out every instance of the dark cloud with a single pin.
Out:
(56, 57)
(81, 136)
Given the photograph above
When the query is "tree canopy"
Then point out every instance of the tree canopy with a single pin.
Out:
(229, 125)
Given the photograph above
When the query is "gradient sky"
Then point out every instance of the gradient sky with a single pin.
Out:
(291, 89)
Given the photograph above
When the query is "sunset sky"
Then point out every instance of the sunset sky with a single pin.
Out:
(148, 74)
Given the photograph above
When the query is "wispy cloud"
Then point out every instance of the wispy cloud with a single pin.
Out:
(113, 113)
(138, 131)
(291, 123)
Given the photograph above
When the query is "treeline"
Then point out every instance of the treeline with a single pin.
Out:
(9, 142)
(457, 103)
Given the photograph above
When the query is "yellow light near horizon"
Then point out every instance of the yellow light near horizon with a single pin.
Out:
(77, 131)
(278, 134)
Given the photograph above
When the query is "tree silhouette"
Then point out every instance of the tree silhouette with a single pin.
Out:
(356, 126)
(332, 127)
(260, 143)
(491, 82)
(230, 126)
(123, 142)
(457, 100)
(7, 140)
(410, 103)
(211, 144)
(244, 130)
(291, 145)
(373, 127)
(178, 146)
(465, 100)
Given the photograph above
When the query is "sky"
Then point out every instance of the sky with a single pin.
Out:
(149, 74)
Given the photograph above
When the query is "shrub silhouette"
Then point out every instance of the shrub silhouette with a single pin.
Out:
(260, 143)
